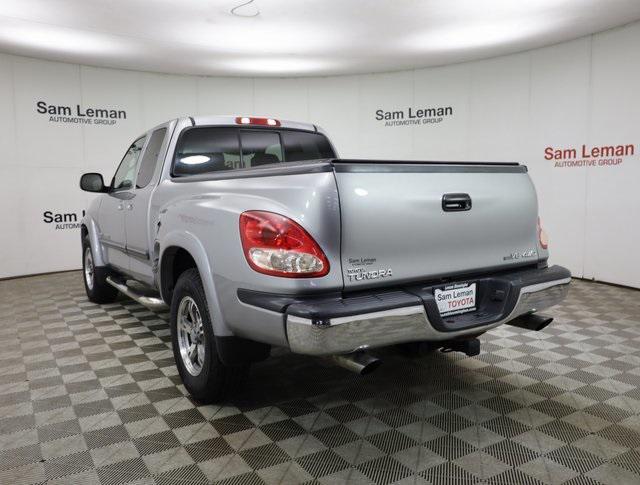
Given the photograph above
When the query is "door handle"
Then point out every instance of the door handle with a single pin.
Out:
(456, 202)
(120, 207)
(129, 207)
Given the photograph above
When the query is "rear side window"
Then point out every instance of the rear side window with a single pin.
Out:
(150, 158)
(211, 149)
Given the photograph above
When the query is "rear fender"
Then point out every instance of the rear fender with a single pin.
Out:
(192, 244)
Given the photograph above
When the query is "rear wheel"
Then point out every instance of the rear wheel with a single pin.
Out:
(204, 375)
(95, 277)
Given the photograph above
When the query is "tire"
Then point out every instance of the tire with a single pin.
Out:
(204, 375)
(95, 277)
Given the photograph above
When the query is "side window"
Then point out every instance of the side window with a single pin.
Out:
(150, 158)
(260, 148)
(126, 173)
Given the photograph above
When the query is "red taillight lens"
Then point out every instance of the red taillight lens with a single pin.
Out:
(252, 120)
(275, 245)
(542, 236)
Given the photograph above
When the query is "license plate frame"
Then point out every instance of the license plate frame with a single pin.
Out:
(457, 298)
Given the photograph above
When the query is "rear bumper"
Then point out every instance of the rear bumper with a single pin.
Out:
(336, 324)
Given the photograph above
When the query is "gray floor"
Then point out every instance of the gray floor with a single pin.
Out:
(91, 394)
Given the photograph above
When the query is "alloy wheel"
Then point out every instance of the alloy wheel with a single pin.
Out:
(191, 336)
(89, 270)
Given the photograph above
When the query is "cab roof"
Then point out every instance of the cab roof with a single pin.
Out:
(250, 120)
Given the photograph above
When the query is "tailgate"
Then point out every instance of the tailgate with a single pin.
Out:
(412, 221)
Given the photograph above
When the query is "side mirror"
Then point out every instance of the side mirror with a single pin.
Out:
(92, 182)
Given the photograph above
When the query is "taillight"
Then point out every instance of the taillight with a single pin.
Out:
(275, 245)
(542, 236)
(252, 120)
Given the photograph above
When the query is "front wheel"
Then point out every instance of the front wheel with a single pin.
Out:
(95, 277)
(204, 375)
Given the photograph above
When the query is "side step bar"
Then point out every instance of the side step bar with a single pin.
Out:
(151, 302)
(531, 321)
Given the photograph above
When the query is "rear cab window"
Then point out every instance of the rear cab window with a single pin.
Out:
(213, 149)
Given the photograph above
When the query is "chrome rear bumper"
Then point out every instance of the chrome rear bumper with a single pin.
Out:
(345, 334)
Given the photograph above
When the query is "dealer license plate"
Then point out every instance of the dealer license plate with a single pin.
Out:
(456, 299)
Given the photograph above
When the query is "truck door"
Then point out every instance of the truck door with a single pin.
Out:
(112, 209)
(140, 218)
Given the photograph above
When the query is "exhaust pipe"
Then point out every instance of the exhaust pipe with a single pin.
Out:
(359, 362)
(531, 321)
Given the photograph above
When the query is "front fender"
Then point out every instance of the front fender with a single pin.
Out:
(189, 242)
(94, 240)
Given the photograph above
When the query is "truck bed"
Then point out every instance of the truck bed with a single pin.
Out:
(396, 227)
(311, 166)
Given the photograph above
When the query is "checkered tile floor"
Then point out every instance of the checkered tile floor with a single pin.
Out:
(90, 394)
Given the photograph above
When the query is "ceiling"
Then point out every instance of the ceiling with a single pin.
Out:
(294, 37)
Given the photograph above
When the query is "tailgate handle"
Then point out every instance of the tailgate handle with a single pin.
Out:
(456, 202)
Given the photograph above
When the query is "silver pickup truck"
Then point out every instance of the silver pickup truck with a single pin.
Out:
(256, 234)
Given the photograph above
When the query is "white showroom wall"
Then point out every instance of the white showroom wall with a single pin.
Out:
(510, 108)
